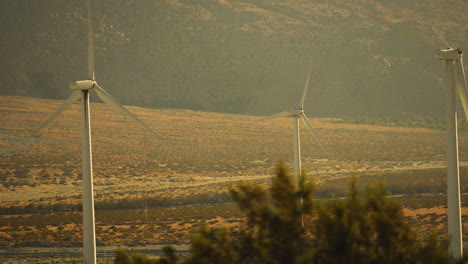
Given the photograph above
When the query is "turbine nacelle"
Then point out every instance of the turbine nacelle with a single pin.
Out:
(296, 112)
(456, 84)
(82, 85)
(80, 90)
(448, 54)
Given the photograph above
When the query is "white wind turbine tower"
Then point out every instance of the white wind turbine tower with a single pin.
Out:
(296, 114)
(81, 89)
(456, 84)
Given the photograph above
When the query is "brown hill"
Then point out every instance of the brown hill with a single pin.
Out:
(247, 56)
(191, 147)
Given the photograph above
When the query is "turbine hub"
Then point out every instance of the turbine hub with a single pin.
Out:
(82, 85)
(448, 54)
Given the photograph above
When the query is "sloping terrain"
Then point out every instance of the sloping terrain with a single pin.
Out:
(193, 151)
(190, 164)
(247, 56)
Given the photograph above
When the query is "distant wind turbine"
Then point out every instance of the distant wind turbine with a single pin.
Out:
(456, 83)
(296, 114)
(81, 89)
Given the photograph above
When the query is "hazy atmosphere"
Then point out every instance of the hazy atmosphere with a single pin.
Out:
(247, 57)
(182, 162)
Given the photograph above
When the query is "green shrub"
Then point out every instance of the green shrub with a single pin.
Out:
(285, 225)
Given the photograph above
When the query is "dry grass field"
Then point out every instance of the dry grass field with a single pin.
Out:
(190, 164)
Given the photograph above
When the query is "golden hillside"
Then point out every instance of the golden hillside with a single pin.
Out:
(191, 148)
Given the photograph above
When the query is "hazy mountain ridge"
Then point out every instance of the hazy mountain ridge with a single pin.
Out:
(234, 56)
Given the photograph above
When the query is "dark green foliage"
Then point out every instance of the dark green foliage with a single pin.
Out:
(122, 257)
(209, 246)
(371, 229)
(274, 232)
(285, 225)
(395, 241)
(169, 257)
(342, 231)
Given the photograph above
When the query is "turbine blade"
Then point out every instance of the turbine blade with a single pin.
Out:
(409, 31)
(282, 114)
(308, 125)
(70, 100)
(90, 44)
(461, 85)
(306, 86)
(107, 98)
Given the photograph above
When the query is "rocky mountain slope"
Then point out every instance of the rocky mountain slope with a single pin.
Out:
(245, 56)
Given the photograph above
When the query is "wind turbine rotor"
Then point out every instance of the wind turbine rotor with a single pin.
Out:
(81, 89)
(90, 44)
(107, 98)
(460, 81)
(75, 96)
(282, 114)
(301, 103)
(309, 127)
(456, 83)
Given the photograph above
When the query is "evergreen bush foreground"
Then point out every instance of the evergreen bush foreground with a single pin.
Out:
(363, 228)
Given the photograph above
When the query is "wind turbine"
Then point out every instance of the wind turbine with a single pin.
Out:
(81, 89)
(456, 84)
(296, 114)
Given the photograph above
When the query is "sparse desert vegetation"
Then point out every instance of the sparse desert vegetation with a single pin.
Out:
(217, 57)
(284, 224)
(189, 166)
